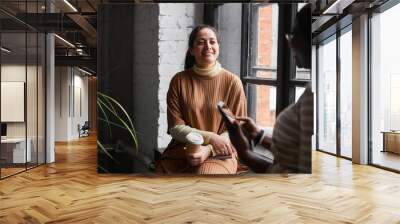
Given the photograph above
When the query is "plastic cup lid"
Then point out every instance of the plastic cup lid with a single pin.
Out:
(195, 138)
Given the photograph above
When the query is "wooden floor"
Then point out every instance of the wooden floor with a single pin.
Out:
(70, 191)
(10, 171)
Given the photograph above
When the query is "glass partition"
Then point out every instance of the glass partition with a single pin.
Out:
(13, 110)
(22, 91)
(41, 87)
(346, 94)
(385, 89)
(31, 100)
(327, 96)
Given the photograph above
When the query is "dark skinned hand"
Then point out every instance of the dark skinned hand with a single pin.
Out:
(238, 138)
(249, 127)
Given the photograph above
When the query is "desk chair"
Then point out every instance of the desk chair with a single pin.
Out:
(84, 130)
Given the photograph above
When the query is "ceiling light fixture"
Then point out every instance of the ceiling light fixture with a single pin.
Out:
(5, 50)
(65, 41)
(70, 5)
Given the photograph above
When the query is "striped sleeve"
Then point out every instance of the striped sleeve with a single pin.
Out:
(291, 140)
(306, 118)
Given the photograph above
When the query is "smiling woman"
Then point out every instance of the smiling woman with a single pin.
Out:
(192, 98)
(204, 47)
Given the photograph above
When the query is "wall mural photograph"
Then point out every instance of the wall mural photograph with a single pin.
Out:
(119, 111)
(196, 89)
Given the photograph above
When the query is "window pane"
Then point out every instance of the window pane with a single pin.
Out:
(300, 5)
(41, 98)
(346, 94)
(265, 74)
(263, 104)
(299, 92)
(14, 153)
(31, 100)
(264, 38)
(385, 85)
(327, 97)
(303, 73)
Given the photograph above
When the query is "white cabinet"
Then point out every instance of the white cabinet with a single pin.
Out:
(17, 147)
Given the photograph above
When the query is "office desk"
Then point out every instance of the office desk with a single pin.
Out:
(13, 150)
(391, 141)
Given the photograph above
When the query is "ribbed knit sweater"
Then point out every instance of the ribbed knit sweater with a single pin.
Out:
(192, 100)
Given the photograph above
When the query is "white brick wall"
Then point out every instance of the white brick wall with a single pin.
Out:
(176, 20)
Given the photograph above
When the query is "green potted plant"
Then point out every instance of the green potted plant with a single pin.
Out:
(116, 155)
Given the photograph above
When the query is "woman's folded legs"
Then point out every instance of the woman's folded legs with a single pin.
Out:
(218, 166)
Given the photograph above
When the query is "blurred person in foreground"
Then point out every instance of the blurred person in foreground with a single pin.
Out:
(290, 142)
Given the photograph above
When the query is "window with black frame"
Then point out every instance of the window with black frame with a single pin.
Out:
(327, 95)
(385, 87)
(22, 101)
(263, 82)
(334, 93)
(302, 74)
(261, 79)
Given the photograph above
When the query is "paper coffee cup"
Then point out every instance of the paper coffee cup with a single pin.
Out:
(194, 141)
(194, 138)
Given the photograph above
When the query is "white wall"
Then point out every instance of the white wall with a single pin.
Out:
(80, 83)
(67, 115)
(33, 126)
(9, 73)
(15, 72)
(61, 103)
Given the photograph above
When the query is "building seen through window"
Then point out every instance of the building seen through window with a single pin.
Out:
(263, 52)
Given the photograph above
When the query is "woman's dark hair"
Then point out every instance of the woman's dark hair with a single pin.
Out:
(301, 32)
(189, 59)
(302, 25)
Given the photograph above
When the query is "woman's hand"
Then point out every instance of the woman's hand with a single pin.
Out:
(197, 157)
(221, 145)
(249, 127)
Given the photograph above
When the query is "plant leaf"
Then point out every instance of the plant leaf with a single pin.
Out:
(113, 111)
(105, 114)
(106, 152)
(107, 102)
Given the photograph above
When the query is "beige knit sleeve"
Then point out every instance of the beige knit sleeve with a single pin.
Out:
(179, 132)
